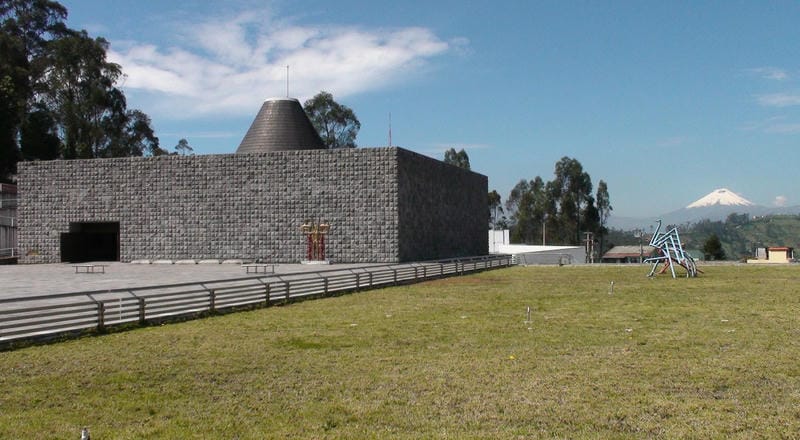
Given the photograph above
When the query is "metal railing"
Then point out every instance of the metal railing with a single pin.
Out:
(9, 253)
(48, 316)
(540, 258)
(8, 203)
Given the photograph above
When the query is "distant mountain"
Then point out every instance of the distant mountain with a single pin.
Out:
(630, 223)
(715, 206)
(720, 197)
(740, 237)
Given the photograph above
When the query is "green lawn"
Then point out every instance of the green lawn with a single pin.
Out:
(712, 357)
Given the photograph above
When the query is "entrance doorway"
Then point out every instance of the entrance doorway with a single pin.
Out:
(90, 241)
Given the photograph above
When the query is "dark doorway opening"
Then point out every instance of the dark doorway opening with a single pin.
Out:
(90, 241)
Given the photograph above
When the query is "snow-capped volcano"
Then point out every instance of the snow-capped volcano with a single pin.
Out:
(716, 206)
(722, 197)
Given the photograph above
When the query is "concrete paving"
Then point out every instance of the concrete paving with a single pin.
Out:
(42, 279)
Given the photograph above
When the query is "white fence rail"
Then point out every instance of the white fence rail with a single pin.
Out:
(47, 316)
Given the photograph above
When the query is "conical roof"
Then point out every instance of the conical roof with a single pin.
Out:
(281, 124)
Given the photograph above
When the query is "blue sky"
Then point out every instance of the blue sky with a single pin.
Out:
(665, 101)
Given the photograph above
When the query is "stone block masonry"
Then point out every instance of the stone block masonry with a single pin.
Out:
(442, 209)
(383, 204)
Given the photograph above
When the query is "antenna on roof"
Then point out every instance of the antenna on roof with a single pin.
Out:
(390, 129)
(287, 80)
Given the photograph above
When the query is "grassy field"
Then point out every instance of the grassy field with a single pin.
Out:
(711, 357)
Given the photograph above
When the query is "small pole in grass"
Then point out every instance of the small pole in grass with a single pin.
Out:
(528, 315)
(85, 434)
(611, 289)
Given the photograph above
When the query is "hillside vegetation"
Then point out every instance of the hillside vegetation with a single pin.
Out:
(739, 234)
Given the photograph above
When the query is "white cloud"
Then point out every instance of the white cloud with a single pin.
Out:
(774, 125)
(771, 73)
(780, 201)
(230, 66)
(779, 99)
(788, 128)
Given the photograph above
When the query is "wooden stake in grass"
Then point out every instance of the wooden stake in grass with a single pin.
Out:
(528, 316)
(611, 289)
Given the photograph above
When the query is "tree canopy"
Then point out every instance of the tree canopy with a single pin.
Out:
(58, 94)
(495, 208)
(337, 124)
(457, 158)
(604, 208)
(712, 248)
(570, 192)
(558, 211)
(183, 148)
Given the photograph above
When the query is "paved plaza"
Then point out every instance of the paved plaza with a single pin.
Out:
(22, 280)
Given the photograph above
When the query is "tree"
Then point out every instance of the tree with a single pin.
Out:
(38, 136)
(524, 230)
(336, 123)
(502, 223)
(570, 192)
(514, 197)
(604, 208)
(541, 209)
(138, 135)
(58, 97)
(736, 219)
(79, 92)
(559, 210)
(712, 248)
(25, 28)
(183, 148)
(91, 112)
(13, 94)
(459, 159)
(495, 206)
(529, 206)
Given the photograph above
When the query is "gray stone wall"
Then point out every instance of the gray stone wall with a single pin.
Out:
(443, 209)
(251, 205)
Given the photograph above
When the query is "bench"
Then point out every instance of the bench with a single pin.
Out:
(90, 268)
(259, 267)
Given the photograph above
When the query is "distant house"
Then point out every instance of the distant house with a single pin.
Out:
(628, 254)
(774, 255)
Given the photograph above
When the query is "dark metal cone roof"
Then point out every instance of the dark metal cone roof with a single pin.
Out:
(281, 124)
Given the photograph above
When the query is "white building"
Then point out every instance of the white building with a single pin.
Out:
(526, 254)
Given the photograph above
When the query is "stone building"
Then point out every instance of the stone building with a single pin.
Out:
(383, 204)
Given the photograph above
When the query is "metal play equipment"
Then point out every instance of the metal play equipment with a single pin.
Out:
(670, 253)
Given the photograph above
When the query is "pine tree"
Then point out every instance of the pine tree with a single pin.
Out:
(712, 248)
